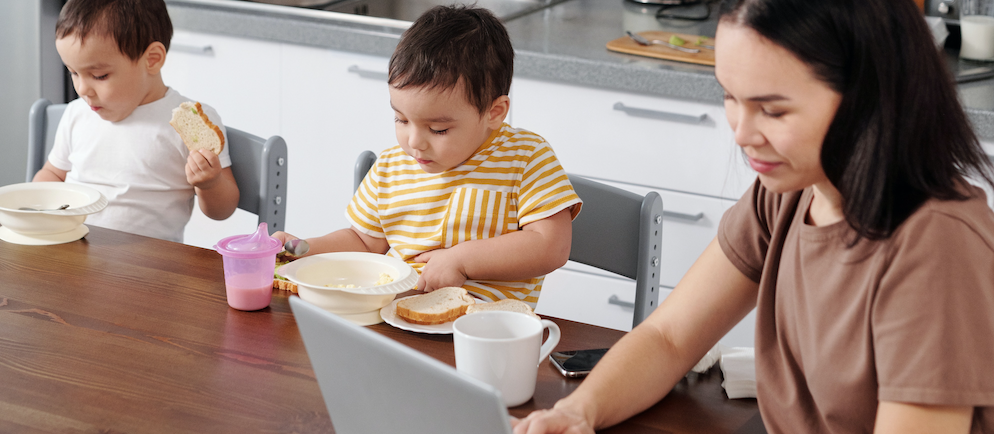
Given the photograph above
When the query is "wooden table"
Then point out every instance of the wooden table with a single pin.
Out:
(118, 333)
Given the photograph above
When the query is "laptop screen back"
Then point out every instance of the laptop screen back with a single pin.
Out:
(373, 384)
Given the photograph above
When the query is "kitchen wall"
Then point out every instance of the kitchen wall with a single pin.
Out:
(31, 70)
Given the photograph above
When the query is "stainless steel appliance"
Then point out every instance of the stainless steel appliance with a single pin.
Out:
(409, 10)
(32, 70)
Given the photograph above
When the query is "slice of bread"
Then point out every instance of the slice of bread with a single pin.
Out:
(197, 132)
(510, 305)
(437, 307)
(280, 282)
(285, 285)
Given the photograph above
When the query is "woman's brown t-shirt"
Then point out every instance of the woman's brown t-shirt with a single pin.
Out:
(907, 319)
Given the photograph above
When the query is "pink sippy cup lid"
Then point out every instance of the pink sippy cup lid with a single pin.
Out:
(254, 245)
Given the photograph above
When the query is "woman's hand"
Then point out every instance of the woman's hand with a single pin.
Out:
(553, 421)
(443, 268)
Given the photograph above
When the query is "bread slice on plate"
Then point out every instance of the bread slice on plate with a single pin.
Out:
(196, 130)
(510, 305)
(437, 307)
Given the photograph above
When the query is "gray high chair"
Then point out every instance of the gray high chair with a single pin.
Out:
(617, 231)
(259, 165)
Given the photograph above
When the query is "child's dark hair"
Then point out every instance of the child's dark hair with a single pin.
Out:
(900, 135)
(134, 24)
(449, 42)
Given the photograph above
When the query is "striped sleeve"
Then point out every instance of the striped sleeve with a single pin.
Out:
(545, 188)
(363, 211)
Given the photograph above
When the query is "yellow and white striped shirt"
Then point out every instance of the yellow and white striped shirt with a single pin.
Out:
(512, 180)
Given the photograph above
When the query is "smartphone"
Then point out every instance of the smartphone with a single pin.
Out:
(576, 363)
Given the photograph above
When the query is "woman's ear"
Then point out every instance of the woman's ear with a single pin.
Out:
(154, 57)
(498, 111)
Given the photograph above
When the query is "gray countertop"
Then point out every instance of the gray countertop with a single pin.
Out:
(563, 43)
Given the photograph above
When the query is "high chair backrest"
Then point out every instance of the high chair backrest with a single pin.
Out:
(43, 120)
(617, 231)
(258, 165)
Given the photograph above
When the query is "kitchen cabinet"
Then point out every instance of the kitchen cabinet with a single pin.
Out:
(659, 142)
(334, 106)
(586, 294)
(683, 150)
(328, 105)
(239, 77)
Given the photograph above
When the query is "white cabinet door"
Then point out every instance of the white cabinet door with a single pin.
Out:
(239, 77)
(657, 142)
(583, 294)
(690, 222)
(586, 294)
(335, 105)
(591, 298)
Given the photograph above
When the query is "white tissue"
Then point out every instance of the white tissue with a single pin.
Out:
(738, 365)
(708, 360)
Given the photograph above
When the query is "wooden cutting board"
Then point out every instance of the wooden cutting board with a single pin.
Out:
(627, 45)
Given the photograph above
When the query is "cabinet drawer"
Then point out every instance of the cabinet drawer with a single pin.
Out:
(679, 145)
(587, 298)
(598, 300)
(690, 222)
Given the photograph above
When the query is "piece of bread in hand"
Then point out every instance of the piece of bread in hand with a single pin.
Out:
(437, 307)
(196, 130)
(509, 304)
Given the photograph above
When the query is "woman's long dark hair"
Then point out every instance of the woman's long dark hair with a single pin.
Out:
(900, 135)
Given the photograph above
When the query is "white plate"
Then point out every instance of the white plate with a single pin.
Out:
(389, 314)
(43, 240)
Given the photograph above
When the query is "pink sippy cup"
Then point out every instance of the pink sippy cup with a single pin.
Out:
(249, 263)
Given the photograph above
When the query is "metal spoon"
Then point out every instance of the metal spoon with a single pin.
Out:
(297, 247)
(24, 208)
(642, 41)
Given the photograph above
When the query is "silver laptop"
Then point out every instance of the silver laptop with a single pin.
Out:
(373, 384)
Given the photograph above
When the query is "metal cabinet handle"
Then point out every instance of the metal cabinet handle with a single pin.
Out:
(682, 216)
(206, 49)
(615, 300)
(661, 115)
(365, 73)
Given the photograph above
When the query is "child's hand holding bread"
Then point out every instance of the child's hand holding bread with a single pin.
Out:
(204, 140)
(443, 268)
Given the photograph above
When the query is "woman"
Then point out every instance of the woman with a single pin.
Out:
(869, 258)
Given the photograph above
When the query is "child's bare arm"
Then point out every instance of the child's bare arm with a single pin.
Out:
(50, 173)
(215, 187)
(537, 249)
(342, 240)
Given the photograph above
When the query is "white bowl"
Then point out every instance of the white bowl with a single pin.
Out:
(82, 201)
(361, 304)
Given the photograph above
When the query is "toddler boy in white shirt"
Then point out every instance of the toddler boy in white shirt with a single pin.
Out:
(116, 137)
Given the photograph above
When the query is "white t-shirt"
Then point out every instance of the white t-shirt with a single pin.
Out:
(138, 163)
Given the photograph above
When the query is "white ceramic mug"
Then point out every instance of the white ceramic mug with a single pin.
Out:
(503, 349)
(977, 29)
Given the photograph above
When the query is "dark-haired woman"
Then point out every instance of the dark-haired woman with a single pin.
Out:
(868, 256)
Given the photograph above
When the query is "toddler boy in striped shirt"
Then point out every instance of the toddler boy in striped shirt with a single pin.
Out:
(464, 198)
